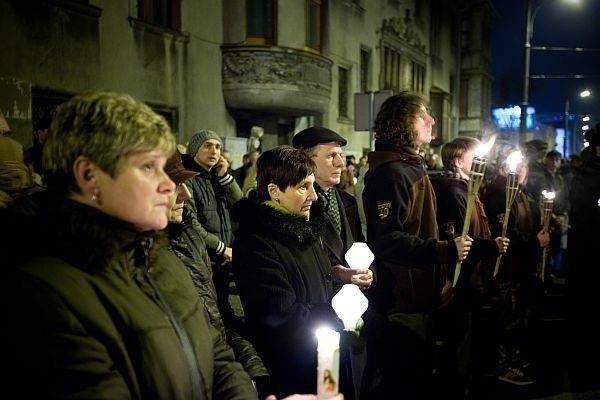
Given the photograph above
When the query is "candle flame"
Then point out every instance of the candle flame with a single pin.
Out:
(327, 338)
(483, 148)
(548, 195)
(513, 160)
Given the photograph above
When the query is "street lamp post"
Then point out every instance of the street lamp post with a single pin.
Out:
(566, 134)
(531, 14)
(526, 66)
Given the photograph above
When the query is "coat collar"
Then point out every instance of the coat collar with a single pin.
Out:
(253, 217)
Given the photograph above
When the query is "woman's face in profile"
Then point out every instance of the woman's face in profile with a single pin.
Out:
(139, 193)
(298, 199)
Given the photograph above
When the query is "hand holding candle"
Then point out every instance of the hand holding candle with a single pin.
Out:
(359, 257)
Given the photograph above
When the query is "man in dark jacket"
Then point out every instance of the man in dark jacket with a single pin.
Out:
(410, 261)
(343, 227)
(213, 191)
(469, 343)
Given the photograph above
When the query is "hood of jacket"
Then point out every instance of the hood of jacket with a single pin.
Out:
(405, 155)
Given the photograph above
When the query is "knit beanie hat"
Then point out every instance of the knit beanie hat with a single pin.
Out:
(199, 138)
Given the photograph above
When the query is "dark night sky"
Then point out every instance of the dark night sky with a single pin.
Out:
(557, 24)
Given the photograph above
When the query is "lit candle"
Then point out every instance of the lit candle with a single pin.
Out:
(328, 369)
(350, 304)
(512, 186)
(359, 255)
(475, 178)
(546, 212)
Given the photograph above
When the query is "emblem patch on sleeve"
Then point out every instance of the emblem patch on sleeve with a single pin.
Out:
(383, 210)
(449, 229)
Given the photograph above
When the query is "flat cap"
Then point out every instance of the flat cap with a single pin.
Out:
(314, 135)
(176, 171)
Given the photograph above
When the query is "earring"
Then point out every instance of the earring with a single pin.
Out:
(277, 201)
(95, 196)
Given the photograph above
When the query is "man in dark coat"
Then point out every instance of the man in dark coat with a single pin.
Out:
(342, 227)
(468, 327)
(410, 260)
(213, 191)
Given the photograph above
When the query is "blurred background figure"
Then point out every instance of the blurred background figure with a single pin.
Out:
(582, 272)
(33, 155)
(520, 289)
(10, 149)
(16, 181)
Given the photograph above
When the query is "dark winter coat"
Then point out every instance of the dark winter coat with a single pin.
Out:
(402, 232)
(284, 279)
(88, 315)
(213, 196)
(452, 196)
(187, 244)
(523, 256)
(337, 244)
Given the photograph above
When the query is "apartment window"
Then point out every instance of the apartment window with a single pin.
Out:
(365, 60)
(260, 22)
(464, 34)
(163, 13)
(418, 77)
(314, 28)
(436, 29)
(392, 67)
(464, 98)
(343, 92)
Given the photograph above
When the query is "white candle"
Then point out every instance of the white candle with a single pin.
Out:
(328, 369)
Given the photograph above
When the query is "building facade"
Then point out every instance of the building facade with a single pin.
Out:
(229, 65)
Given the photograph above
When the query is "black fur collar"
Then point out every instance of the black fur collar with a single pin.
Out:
(257, 217)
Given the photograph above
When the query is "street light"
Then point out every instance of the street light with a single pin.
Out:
(585, 93)
(531, 14)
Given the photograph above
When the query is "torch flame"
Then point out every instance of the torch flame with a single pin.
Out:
(483, 148)
(548, 195)
(513, 159)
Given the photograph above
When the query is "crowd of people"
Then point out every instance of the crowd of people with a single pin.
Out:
(149, 269)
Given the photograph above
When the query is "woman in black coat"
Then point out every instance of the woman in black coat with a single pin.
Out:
(282, 271)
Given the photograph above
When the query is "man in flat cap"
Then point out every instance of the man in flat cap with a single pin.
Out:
(343, 228)
(213, 191)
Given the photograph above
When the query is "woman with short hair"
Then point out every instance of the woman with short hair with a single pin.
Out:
(92, 310)
(282, 270)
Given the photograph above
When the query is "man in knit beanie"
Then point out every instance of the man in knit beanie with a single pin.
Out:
(214, 191)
